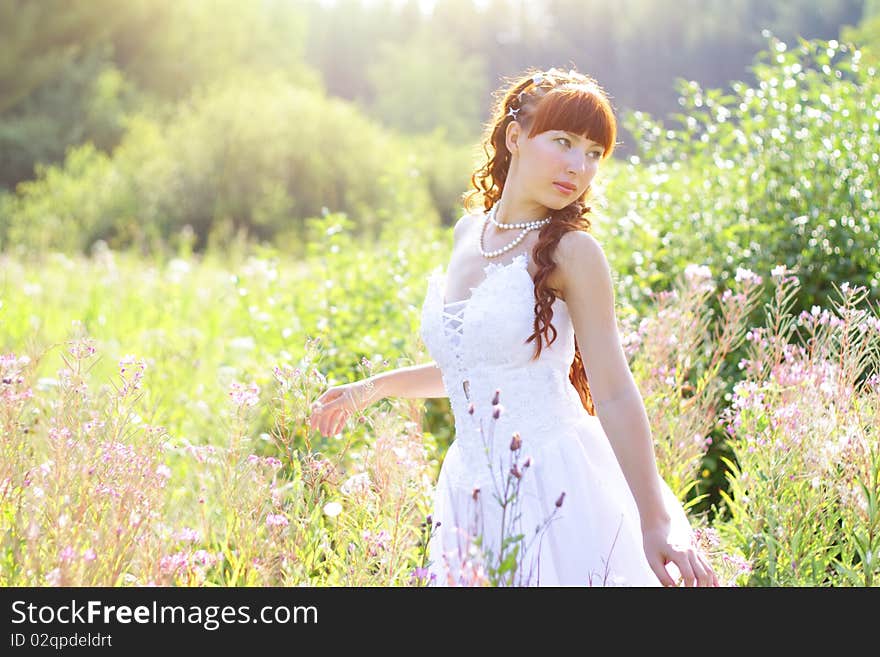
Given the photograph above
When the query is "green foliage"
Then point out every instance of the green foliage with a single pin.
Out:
(250, 154)
(867, 33)
(801, 504)
(65, 209)
(780, 173)
(229, 314)
(800, 510)
(86, 101)
(783, 172)
(169, 48)
(417, 89)
(41, 39)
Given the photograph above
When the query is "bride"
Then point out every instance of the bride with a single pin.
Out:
(551, 475)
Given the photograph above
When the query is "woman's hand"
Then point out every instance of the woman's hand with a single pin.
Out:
(693, 566)
(336, 405)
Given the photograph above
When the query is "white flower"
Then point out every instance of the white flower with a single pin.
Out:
(332, 509)
(743, 274)
(694, 271)
(357, 484)
(778, 271)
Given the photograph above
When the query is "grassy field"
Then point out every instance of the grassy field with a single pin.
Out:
(154, 418)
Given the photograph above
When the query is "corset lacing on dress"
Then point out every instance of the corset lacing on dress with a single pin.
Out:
(452, 328)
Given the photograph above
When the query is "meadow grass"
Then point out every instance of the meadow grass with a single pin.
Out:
(154, 426)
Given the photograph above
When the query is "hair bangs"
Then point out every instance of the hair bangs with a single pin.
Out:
(577, 109)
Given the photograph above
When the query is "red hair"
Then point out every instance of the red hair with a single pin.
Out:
(541, 101)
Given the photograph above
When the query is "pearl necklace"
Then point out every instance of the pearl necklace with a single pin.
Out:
(526, 226)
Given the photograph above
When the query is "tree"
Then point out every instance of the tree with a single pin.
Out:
(427, 82)
(867, 34)
(41, 38)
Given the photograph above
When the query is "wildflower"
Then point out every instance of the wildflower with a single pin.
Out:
(332, 509)
(420, 574)
(138, 366)
(187, 535)
(89, 555)
(375, 542)
(173, 563)
(743, 274)
(276, 520)
(357, 484)
(59, 433)
(53, 577)
(203, 558)
(497, 412)
(527, 462)
(697, 272)
(515, 441)
(742, 566)
(475, 494)
(514, 470)
(471, 408)
(244, 395)
(559, 501)
(82, 348)
(496, 396)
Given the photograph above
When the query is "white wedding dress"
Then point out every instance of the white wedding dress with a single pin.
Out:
(594, 537)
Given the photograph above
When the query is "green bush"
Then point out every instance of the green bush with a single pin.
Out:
(785, 172)
(86, 101)
(253, 155)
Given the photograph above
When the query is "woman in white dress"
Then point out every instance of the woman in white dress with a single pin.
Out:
(550, 480)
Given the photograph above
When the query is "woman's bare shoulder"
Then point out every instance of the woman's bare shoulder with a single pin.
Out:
(576, 243)
(463, 225)
(579, 257)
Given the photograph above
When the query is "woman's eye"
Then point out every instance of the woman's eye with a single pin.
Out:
(596, 153)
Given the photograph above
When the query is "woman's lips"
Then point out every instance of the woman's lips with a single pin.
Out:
(563, 188)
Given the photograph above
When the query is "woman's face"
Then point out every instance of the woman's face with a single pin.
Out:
(553, 168)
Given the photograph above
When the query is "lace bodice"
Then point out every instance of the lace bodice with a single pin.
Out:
(492, 325)
(479, 345)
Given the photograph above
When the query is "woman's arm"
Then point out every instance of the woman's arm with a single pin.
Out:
(589, 296)
(419, 381)
(336, 405)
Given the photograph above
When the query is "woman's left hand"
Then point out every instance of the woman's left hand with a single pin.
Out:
(693, 566)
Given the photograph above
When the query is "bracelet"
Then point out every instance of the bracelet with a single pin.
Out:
(370, 387)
